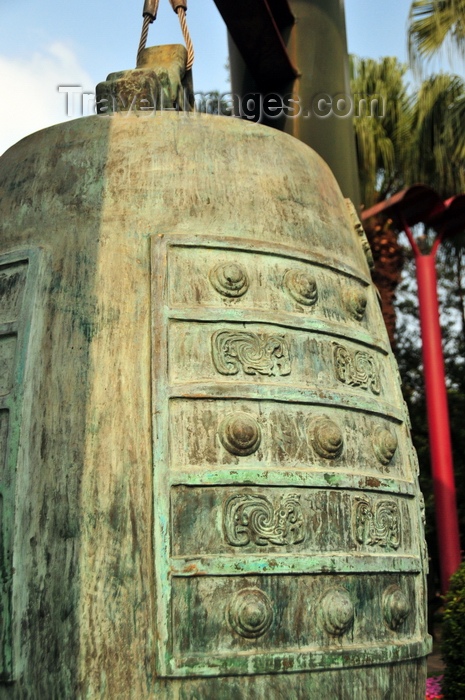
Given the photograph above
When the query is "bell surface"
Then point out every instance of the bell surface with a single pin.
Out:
(208, 484)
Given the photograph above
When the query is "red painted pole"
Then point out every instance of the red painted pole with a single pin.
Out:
(438, 417)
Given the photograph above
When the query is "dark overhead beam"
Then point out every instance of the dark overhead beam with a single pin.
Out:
(282, 13)
(256, 28)
(260, 31)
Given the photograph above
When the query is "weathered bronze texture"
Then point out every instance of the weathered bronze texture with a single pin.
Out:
(209, 490)
(18, 272)
(229, 279)
(159, 82)
(240, 434)
(337, 612)
(301, 286)
(396, 606)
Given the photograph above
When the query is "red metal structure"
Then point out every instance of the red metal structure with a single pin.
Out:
(409, 207)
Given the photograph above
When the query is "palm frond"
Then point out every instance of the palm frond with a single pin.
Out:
(438, 136)
(435, 25)
(420, 137)
(377, 136)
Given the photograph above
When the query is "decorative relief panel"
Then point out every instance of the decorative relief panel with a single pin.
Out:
(277, 435)
(295, 360)
(254, 518)
(244, 615)
(259, 410)
(209, 520)
(377, 523)
(268, 283)
(358, 369)
(252, 353)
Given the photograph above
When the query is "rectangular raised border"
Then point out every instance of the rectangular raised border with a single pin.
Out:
(163, 478)
(12, 404)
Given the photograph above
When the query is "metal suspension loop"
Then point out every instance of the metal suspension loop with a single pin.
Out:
(187, 38)
(143, 36)
(180, 7)
(149, 14)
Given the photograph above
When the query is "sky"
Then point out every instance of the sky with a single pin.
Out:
(45, 44)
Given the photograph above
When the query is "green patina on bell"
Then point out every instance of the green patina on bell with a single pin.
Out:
(209, 489)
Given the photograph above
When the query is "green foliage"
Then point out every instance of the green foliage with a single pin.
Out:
(381, 156)
(433, 25)
(453, 645)
(420, 138)
(214, 102)
(436, 134)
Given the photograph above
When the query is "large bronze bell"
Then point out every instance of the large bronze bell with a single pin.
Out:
(209, 489)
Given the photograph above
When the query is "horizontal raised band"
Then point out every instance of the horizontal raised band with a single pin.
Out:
(292, 564)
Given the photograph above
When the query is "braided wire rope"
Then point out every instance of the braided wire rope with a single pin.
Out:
(143, 37)
(181, 12)
(150, 13)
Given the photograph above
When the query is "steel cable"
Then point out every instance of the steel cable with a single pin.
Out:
(143, 37)
(150, 13)
(181, 12)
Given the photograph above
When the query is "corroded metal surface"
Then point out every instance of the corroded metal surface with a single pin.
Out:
(17, 274)
(159, 82)
(210, 489)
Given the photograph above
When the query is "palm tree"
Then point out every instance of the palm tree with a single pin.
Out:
(438, 135)
(381, 155)
(435, 24)
(417, 140)
(380, 138)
